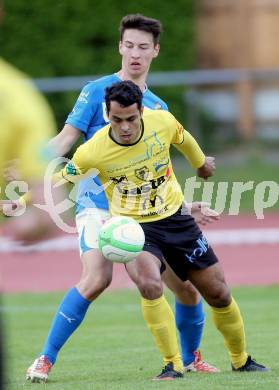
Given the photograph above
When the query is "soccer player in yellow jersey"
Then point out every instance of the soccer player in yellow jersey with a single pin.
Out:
(131, 156)
(26, 124)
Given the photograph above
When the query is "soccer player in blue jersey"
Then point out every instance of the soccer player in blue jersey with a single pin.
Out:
(139, 45)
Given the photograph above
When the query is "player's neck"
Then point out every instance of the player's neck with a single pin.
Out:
(140, 80)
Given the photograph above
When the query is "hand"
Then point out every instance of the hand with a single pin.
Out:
(202, 213)
(207, 169)
(11, 171)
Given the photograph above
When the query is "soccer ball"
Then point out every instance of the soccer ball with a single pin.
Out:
(121, 239)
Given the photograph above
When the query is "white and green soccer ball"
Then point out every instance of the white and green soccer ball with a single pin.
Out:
(121, 239)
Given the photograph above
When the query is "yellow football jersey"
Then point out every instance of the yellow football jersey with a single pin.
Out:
(26, 123)
(138, 179)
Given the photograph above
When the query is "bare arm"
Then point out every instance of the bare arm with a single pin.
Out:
(62, 143)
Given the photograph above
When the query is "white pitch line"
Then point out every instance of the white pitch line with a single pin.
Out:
(64, 243)
(243, 236)
(215, 237)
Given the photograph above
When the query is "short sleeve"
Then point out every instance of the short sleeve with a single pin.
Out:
(84, 109)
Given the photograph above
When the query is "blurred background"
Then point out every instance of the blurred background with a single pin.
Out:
(218, 69)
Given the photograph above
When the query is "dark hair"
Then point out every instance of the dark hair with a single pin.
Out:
(142, 23)
(125, 93)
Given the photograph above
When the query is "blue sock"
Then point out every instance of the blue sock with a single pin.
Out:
(67, 319)
(189, 322)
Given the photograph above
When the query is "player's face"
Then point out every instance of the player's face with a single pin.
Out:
(125, 123)
(138, 50)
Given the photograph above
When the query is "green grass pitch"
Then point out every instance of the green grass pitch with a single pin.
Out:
(113, 349)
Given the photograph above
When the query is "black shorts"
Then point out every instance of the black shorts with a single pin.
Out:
(179, 241)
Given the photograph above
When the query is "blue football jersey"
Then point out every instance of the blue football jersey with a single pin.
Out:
(89, 116)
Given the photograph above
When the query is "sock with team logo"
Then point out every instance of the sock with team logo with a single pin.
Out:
(67, 319)
(190, 323)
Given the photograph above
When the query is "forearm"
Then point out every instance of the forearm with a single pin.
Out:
(59, 145)
(63, 142)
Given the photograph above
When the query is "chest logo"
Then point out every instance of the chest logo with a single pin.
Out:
(142, 173)
(153, 145)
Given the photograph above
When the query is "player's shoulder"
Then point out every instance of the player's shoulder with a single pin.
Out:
(158, 115)
(17, 90)
(154, 101)
(14, 81)
(159, 119)
(101, 83)
(95, 90)
(8, 70)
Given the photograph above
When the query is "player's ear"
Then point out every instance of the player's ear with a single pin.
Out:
(156, 50)
(120, 47)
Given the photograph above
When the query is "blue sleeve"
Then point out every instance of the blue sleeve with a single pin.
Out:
(84, 109)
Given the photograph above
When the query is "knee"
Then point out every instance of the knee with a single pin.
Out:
(91, 287)
(150, 288)
(101, 283)
(220, 297)
(186, 294)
